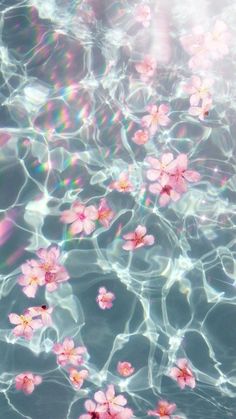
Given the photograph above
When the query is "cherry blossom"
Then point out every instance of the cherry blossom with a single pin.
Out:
(146, 68)
(123, 184)
(157, 117)
(54, 272)
(26, 382)
(198, 89)
(163, 410)
(140, 137)
(68, 354)
(43, 312)
(195, 45)
(217, 41)
(143, 14)
(105, 298)
(81, 218)
(32, 278)
(180, 174)
(105, 213)
(166, 191)
(91, 409)
(183, 374)
(108, 401)
(125, 369)
(77, 377)
(201, 111)
(138, 238)
(159, 168)
(25, 325)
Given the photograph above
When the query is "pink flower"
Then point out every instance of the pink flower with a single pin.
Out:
(54, 272)
(77, 377)
(68, 354)
(81, 218)
(159, 167)
(125, 369)
(203, 110)
(137, 239)
(91, 408)
(146, 67)
(108, 401)
(30, 280)
(105, 298)
(195, 45)
(166, 192)
(143, 14)
(140, 137)
(105, 214)
(157, 117)
(25, 325)
(123, 183)
(43, 312)
(180, 174)
(199, 89)
(163, 410)
(26, 381)
(217, 40)
(183, 374)
(125, 413)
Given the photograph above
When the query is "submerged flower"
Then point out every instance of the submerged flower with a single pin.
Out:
(183, 374)
(180, 174)
(54, 272)
(91, 408)
(43, 312)
(25, 325)
(157, 117)
(140, 137)
(105, 213)
(81, 218)
(198, 89)
(217, 41)
(77, 377)
(123, 183)
(159, 168)
(143, 14)
(163, 410)
(137, 239)
(146, 68)
(125, 369)
(109, 401)
(203, 110)
(105, 298)
(26, 381)
(166, 191)
(68, 354)
(32, 278)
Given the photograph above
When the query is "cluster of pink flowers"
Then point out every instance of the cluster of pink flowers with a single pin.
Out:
(32, 319)
(201, 98)
(170, 177)
(47, 271)
(205, 47)
(107, 405)
(82, 218)
(68, 354)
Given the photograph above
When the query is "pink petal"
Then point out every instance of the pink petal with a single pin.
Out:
(167, 158)
(192, 176)
(76, 227)
(52, 286)
(140, 231)
(153, 174)
(91, 212)
(129, 245)
(30, 291)
(100, 397)
(148, 240)
(68, 216)
(182, 161)
(14, 318)
(68, 344)
(164, 199)
(129, 236)
(90, 406)
(155, 188)
(89, 226)
(163, 108)
(182, 363)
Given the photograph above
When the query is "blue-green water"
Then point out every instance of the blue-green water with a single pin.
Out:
(71, 102)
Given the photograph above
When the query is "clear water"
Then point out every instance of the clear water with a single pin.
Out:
(71, 101)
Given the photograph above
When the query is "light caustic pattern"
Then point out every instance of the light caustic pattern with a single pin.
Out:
(117, 197)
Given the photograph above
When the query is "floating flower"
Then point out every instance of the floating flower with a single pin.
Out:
(42, 311)
(105, 298)
(180, 174)
(25, 325)
(163, 410)
(203, 110)
(217, 41)
(54, 272)
(183, 374)
(26, 382)
(109, 401)
(140, 137)
(166, 191)
(68, 354)
(81, 218)
(143, 14)
(157, 117)
(91, 408)
(105, 213)
(77, 377)
(159, 168)
(198, 89)
(146, 68)
(137, 239)
(32, 278)
(123, 183)
(125, 369)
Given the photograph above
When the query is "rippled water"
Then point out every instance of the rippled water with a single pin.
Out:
(71, 102)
